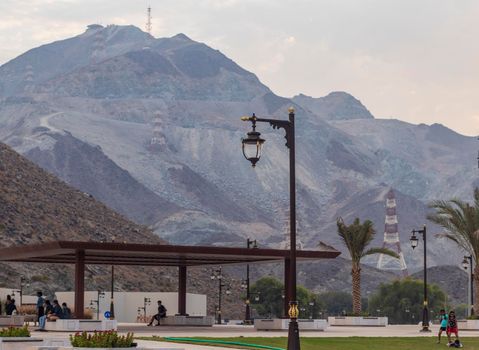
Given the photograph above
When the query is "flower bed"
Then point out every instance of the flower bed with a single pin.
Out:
(101, 340)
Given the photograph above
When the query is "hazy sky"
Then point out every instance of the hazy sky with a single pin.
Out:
(415, 60)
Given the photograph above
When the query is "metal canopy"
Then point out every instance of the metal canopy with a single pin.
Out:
(98, 253)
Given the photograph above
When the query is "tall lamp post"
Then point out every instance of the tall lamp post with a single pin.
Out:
(112, 304)
(252, 145)
(414, 243)
(217, 274)
(247, 318)
(465, 265)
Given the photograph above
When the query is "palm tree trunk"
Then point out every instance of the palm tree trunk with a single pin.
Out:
(356, 277)
(476, 289)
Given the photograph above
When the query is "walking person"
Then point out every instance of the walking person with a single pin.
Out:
(161, 314)
(40, 302)
(443, 319)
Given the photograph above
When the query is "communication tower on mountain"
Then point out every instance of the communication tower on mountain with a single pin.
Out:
(98, 47)
(157, 141)
(391, 239)
(28, 77)
(148, 20)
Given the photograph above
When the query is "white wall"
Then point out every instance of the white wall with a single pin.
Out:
(126, 303)
(26, 299)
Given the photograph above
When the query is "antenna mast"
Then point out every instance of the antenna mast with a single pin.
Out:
(148, 20)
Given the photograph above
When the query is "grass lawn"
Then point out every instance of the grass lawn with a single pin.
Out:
(359, 343)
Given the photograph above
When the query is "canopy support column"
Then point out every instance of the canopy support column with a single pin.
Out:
(182, 290)
(79, 283)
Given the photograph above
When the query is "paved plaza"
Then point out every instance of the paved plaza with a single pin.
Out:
(248, 331)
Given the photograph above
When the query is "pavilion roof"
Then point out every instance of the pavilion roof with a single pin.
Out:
(113, 253)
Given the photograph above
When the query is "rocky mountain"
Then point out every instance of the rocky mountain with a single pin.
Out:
(90, 116)
(451, 279)
(337, 105)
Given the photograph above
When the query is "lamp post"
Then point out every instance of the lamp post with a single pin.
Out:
(311, 309)
(112, 304)
(414, 243)
(217, 274)
(465, 265)
(247, 319)
(99, 295)
(252, 145)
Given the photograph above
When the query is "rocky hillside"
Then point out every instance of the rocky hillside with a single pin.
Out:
(35, 207)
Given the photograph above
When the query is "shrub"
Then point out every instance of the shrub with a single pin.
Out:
(27, 309)
(15, 332)
(109, 339)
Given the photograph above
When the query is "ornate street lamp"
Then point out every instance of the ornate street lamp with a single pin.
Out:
(466, 263)
(252, 146)
(253, 143)
(245, 284)
(414, 243)
(217, 275)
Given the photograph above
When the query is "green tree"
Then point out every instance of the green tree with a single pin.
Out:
(356, 237)
(402, 300)
(336, 303)
(460, 221)
(270, 294)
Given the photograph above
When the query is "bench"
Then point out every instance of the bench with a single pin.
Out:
(78, 325)
(12, 321)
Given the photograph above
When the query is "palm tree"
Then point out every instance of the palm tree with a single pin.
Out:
(460, 221)
(356, 237)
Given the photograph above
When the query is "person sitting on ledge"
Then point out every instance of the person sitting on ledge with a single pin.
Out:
(43, 319)
(66, 312)
(161, 314)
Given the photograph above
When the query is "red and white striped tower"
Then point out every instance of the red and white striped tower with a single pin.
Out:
(391, 239)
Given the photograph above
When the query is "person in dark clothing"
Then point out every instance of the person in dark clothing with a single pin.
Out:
(56, 313)
(48, 310)
(10, 306)
(161, 314)
(40, 302)
(66, 312)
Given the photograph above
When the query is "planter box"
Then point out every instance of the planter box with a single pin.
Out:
(12, 321)
(471, 325)
(358, 321)
(204, 321)
(280, 324)
(72, 325)
(19, 343)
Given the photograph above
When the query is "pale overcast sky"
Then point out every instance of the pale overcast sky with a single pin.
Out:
(415, 60)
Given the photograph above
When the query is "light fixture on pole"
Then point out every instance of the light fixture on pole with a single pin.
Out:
(252, 147)
(414, 243)
(467, 263)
